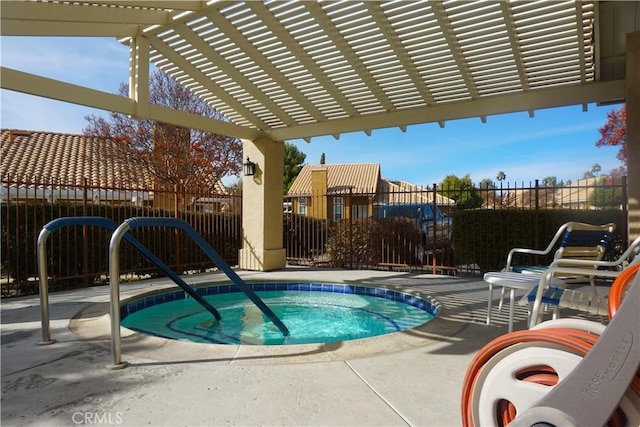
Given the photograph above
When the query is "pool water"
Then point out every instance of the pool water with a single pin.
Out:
(311, 317)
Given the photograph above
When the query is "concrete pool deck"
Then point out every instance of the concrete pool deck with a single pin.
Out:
(412, 378)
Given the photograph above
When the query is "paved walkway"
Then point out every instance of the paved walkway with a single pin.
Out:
(412, 380)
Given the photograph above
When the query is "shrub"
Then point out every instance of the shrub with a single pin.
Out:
(304, 236)
(371, 241)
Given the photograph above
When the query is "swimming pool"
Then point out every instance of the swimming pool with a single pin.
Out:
(313, 312)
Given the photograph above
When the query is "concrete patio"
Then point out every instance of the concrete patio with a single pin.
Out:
(412, 378)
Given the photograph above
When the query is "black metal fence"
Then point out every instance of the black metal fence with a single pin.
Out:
(78, 255)
(441, 230)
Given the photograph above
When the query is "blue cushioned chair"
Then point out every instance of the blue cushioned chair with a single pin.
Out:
(573, 241)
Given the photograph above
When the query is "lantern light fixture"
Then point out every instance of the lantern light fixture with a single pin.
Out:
(249, 167)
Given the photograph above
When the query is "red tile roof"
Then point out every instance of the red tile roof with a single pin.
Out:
(66, 160)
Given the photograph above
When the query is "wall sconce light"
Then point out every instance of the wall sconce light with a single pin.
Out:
(249, 167)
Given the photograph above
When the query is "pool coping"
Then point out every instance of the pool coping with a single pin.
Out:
(93, 323)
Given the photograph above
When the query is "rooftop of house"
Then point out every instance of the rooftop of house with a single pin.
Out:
(577, 191)
(405, 192)
(353, 178)
(67, 159)
(363, 179)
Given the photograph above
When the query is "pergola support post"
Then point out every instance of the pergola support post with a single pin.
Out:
(632, 95)
(262, 213)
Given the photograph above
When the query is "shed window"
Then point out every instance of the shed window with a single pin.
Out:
(302, 205)
(338, 204)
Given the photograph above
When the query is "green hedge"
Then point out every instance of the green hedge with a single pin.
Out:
(485, 237)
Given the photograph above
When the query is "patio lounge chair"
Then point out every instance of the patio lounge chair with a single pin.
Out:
(545, 291)
(577, 242)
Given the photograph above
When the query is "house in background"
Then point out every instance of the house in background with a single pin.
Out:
(339, 191)
(335, 191)
(576, 195)
(40, 167)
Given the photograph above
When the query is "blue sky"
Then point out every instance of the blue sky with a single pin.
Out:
(556, 142)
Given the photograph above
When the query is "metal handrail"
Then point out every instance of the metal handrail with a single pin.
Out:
(58, 223)
(114, 275)
(48, 229)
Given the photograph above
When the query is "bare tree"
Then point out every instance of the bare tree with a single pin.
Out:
(174, 155)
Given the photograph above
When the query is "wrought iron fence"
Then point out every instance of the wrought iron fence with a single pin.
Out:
(436, 230)
(78, 256)
(432, 229)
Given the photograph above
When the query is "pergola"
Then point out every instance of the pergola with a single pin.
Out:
(287, 70)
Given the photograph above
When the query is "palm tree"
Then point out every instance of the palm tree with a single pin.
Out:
(501, 176)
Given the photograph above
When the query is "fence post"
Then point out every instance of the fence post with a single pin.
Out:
(434, 234)
(176, 206)
(350, 230)
(85, 237)
(536, 227)
(625, 211)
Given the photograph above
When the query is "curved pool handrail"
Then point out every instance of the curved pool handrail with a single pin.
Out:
(56, 224)
(213, 256)
(41, 254)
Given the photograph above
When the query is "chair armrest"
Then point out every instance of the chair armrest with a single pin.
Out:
(546, 251)
(529, 251)
(578, 271)
(522, 251)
